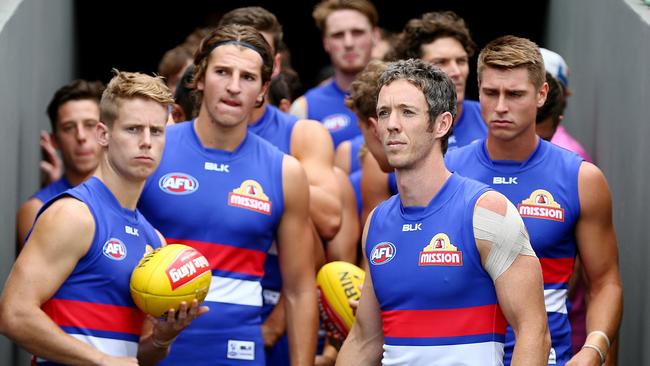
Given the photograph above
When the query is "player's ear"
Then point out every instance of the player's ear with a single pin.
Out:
(102, 134)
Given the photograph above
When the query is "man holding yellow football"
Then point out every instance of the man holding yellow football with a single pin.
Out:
(67, 299)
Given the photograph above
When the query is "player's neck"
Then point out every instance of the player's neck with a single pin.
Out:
(344, 80)
(76, 178)
(517, 149)
(126, 191)
(418, 185)
(258, 113)
(217, 136)
(459, 111)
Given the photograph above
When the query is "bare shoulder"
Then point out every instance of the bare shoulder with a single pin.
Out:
(590, 177)
(310, 135)
(299, 107)
(593, 190)
(293, 175)
(493, 201)
(30, 207)
(66, 220)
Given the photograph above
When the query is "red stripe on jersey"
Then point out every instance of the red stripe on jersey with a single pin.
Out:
(443, 323)
(557, 270)
(88, 315)
(228, 258)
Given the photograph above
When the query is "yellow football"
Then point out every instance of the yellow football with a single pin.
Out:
(338, 282)
(168, 276)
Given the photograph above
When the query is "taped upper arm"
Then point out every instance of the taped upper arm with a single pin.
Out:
(500, 233)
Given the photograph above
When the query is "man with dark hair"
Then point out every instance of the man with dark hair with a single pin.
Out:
(230, 194)
(74, 114)
(449, 259)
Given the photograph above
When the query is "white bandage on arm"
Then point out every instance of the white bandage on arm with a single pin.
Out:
(507, 234)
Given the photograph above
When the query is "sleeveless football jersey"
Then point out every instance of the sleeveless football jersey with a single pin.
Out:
(48, 192)
(545, 190)
(470, 126)
(355, 146)
(228, 206)
(325, 104)
(94, 304)
(438, 304)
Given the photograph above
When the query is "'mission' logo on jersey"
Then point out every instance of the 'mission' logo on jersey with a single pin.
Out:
(541, 205)
(250, 196)
(440, 252)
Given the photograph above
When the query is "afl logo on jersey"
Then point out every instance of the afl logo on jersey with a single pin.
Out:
(336, 122)
(114, 249)
(541, 205)
(178, 183)
(382, 253)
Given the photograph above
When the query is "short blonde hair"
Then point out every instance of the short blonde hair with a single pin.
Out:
(129, 85)
(510, 52)
(327, 7)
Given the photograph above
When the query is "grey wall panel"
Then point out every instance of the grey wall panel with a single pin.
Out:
(607, 46)
(36, 58)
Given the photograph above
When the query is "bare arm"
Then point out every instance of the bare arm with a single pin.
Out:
(363, 346)
(296, 256)
(343, 247)
(24, 220)
(312, 145)
(374, 185)
(342, 156)
(61, 236)
(599, 254)
(519, 289)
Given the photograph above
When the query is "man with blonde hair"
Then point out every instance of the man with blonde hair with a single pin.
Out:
(564, 201)
(67, 299)
(349, 29)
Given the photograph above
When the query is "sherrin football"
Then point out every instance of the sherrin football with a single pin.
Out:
(338, 282)
(168, 276)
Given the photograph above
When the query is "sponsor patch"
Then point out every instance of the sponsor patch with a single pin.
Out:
(250, 196)
(178, 183)
(114, 249)
(541, 205)
(440, 252)
(382, 253)
(241, 350)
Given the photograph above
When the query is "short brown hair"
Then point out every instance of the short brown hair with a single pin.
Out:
(364, 90)
(76, 90)
(174, 61)
(327, 7)
(427, 29)
(510, 52)
(129, 85)
(242, 34)
(258, 18)
(555, 102)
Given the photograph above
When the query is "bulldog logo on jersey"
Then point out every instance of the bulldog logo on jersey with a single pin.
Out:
(382, 253)
(178, 183)
(114, 249)
(250, 196)
(336, 122)
(541, 205)
(440, 252)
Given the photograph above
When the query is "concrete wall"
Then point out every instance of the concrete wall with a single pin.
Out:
(606, 44)
(36, 58)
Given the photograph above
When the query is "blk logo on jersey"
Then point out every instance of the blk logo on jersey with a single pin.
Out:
(504, 180)
(250, 196)
(541, 205)
(336, 122)
(224, 168)
(382, 253)
(114, 249)
(440, 252)
(178, 183)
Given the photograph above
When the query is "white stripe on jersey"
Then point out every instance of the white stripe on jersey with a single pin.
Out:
(555, 301)
(113, 347)
(473, 354)
(235, 291)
